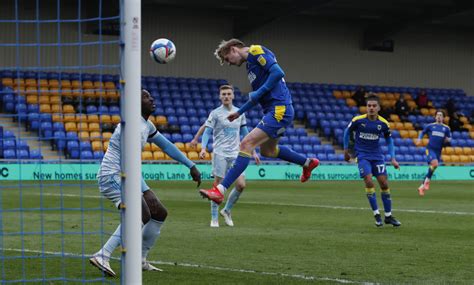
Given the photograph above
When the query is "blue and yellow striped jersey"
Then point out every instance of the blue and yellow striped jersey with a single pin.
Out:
(437, 133)
(259, 61)
(367, 134)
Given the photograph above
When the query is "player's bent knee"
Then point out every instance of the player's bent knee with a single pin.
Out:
(268, 152)
(159, 213)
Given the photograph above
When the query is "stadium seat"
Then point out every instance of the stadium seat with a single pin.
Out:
(98, 154)
(147, 155)
(192, 155)
(158, 155)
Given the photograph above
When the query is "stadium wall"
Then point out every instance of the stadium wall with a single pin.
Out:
(309, 50)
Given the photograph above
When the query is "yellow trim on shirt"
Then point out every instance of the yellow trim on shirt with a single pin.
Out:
(360, 117)
(384, 121)
(256, 50)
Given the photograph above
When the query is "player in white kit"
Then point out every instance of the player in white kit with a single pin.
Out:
(226, 141)
(110, 180)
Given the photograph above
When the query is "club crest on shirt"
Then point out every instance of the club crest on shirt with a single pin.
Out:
(261, 60)
(379, 127)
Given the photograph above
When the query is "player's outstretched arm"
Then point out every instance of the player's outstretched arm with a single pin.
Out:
(274, 76)
(205, 140)
(195, 140)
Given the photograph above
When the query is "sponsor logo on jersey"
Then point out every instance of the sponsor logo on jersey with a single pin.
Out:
(368, 136)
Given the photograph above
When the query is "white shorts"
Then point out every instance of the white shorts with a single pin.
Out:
(111, 187)
(221, 164)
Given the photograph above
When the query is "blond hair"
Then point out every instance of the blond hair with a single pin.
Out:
(224, 48)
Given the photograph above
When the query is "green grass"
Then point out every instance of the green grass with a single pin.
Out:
(285, 233)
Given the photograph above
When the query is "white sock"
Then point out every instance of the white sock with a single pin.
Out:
(221, 188)
(232, 199)
(388, 214)
(150, 232)
(112, 243)
(306, 163)
(214, 211)
(376, 212)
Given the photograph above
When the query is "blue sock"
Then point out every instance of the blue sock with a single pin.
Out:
(372, 198)
(287, 154)
(214, 211)
(430, 172)
(387, 201)
(240, 164)
(233, 197)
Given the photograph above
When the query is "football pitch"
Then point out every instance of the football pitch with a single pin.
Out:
(285, 233)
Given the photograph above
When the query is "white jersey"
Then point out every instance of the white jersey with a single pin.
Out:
(111, 162)
(226, 134)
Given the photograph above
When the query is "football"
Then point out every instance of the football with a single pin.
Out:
(162, 51)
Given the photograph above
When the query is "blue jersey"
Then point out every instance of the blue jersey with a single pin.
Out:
(259, 61)
(437, 133)
(367, 135)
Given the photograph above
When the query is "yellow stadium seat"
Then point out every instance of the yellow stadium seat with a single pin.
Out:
(161, 120)
(115, 119)
(152, 119)
(30, 82)
(398, 126)
(424, 111)
(106, 136)
(192, 155)
(411, 104)
(111, 94)
(407, 97)
(346, 94)
(32, 99)
(464, 158)
(98, 85)
(83, 126)
(467, 150)
(57, 117)
(93, 118)
(412, 134)
(69, 118)
(19, 82)
(455, 158)
(394, 118)
(382, 95)
(147, 147)
(362, 109)
(70, 127)
(7, 82)
(109, 85)
(65, 84)
(391, 96)
(55, 100)
(180, 146)
(20, 90)
(208, 156)
(154, 147)
(43, 83)
(76, 93)
(337, 94)
(446, 158)
(97, 146)
(96, 136)
(147, 155)
(53, 83)
(45, 108)
(408, 126)
(469, 127)
(84, 135)
(87, 84)
(448, 150)
(158, 155)
(31, 91)
(471, 157)
(446, 120)
(66, 92)
(463, 120)
(88, 93)
(404, 134)
(100, 94)
(94, 127)
(425, 141)
(432, 111)
(351, 102)
(68, 109)
(105, 119)
(458, 150)
(42, 99)
(188, 147)
(106, 145)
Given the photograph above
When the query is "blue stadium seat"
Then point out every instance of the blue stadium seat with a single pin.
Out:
(60, 140)
(58, 126)
(46, 129)
(85, 146)
(176, 138)
(114, 110)
(314, 140)
(36, 154)
(22, 145)
(298, 148)
(185, 129)
(91, 109)
(98, 154)
(187, 137)
(71, 136)
(45, 117)
(103, 110)
(23, 154)
(307, 148)
(172, 120)
(87, 154)
(7, 134)
(194, 120)
(183, 120)
(9, 154)
(9, 144)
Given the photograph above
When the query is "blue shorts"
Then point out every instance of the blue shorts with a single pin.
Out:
(374, 167)
(275, 122)
(432, 155)
(111, 187)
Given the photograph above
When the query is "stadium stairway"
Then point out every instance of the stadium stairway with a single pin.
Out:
(34, 142)
(315, 133)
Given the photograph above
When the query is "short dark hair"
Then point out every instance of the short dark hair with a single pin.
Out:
(440, 111)
(372, 97)
(226, 86)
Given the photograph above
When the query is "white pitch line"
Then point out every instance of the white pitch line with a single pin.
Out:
(219, 268)
(287, 204)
